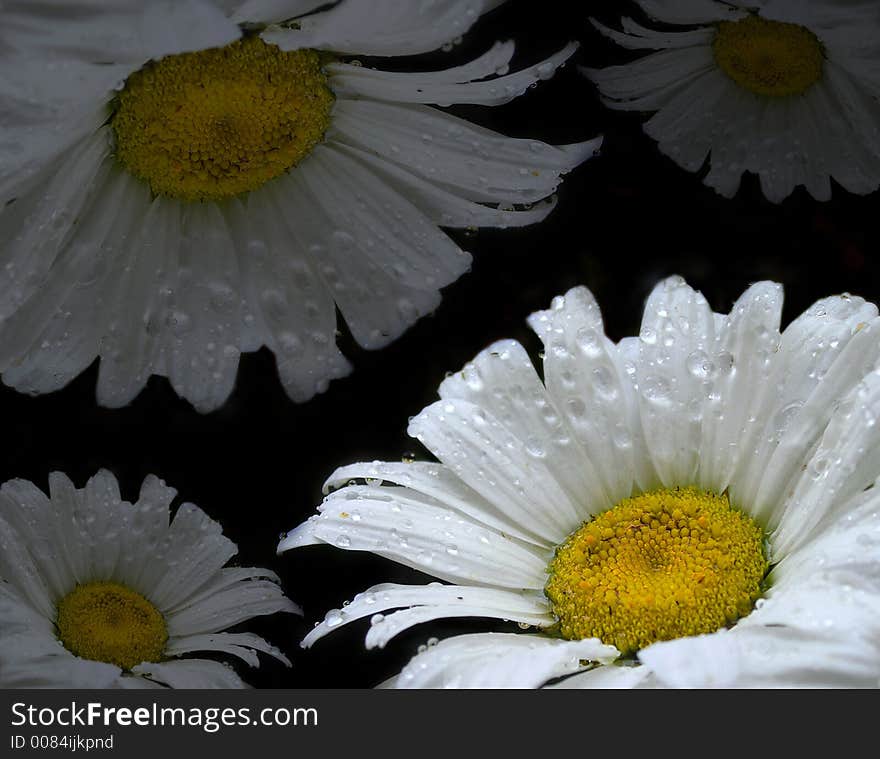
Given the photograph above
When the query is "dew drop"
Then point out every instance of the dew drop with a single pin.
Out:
(700, 365)
(657, 390)
(535, 447)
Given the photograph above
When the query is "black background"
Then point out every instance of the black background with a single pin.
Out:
(624, 221)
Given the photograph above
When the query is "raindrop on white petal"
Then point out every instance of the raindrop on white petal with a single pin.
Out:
(657, 390)
(700, 365)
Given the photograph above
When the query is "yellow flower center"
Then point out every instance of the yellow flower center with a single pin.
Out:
(662, 565)
(105, 621)
(221, 122)
(769, 57)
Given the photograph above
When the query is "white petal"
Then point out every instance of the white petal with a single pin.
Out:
(849, 113)
(37, 99)
(441, 486)
(382, 258)
(202, 349)
(140, 309)
(409, 528)
(17, 567)
(844, 551)
(508, 470)
(585, 379)
(38, 225)
(739, 118)
(434, 600)
(496, 59)
(654, 81)
(499, 660)
(611, 676)
(677, 334)
(356, 81)
(690, 11)
(126, 30)
(222, 587)
(191, 673)
(503, 385)
(638, 37)
(475, 163)
(646, 474)
(24, 664)
(688, 126)
(140, 562)
(387, 627)
(823, 354)
(57, 531)
(384, 27)
(740, 362)
(449, 208)
(846, 462)
(250, 11)
(858, 23)
(292, 308)
(58, 332)
(225, 608)
(413, 250)
(242, 645)
(170, 27)
(79, 536)
(193, 551)
(20, 616)
(87, 525)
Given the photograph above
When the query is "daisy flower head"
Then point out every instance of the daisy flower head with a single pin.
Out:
(785, 89)
(181, 182)
(695, 506)
(96, 592)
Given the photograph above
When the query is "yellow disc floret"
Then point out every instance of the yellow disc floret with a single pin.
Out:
(662, 565)
(107, 622)
(221, 122)
(769, 58)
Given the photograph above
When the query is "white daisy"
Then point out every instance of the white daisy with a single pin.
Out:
(188, 180)
(696, 505)
(785, 89)
(96, 592)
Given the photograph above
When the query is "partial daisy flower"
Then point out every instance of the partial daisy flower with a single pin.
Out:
(785, 89)
(695, 506)
(96, 592)
(186, 181)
